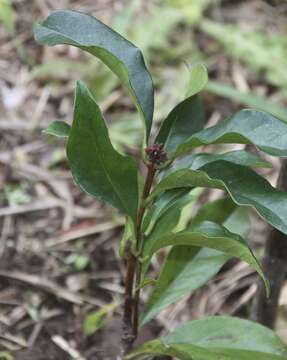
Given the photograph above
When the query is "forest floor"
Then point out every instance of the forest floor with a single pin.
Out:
(59, 247)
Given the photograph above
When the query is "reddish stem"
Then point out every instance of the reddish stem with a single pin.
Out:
(147, 188)
(131, 303)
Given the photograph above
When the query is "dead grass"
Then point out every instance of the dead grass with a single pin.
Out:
(47, 224)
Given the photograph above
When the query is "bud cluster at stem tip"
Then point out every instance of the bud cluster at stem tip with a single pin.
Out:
(156, 154)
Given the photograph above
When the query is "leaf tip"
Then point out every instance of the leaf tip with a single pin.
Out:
(35, 27)
(80, 86)
(198, 79)
(57, 128)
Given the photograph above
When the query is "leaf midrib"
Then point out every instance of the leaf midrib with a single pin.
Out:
(103, 49)
(103, 162)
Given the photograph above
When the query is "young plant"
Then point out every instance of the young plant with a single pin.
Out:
(153, 205)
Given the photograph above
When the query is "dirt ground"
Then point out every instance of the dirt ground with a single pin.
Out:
(59, 247)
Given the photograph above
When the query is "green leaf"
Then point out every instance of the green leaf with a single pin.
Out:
(156, 347)
(168, 219)
(7, 16)
(197, 161)
(225, 332)
(78, 261)
(4, 355)
(187, 212)
(95, 320)
(128, 235)
(81, 262)
(198, 80)
(121, 56)
(239, 221)
(147, 282)
(169, 216)
(164, 202)
(225, 211)
(210, 235)
(245, 127)
(184, 120)
(217, 337)
(58, 128)
(217, 211)
(156, 35)
(96, 167)
(240, 157)
(187, 117)
(187, 268)
(244, 186)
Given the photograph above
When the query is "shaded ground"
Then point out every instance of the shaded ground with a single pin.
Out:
(58, 247)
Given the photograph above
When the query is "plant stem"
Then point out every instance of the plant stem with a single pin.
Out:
(140, 243)
(274, 266)
(131, 301)
(146, 191)
(127, 337)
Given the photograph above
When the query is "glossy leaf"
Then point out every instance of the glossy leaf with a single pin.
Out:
(210, 235)
(121, 56)
(166, 223)
(217, 337)
(187, 117)
(169, 218)
(245, 127)
(225, 211)
(239, 157)
(96, 167)
(244, 185)
(58, 128)
(198, 160)
(187, 268)
(187, 212)
(239, 221)
(164, 202)
(217, 211)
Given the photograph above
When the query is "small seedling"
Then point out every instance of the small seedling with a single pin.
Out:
(153, 204)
